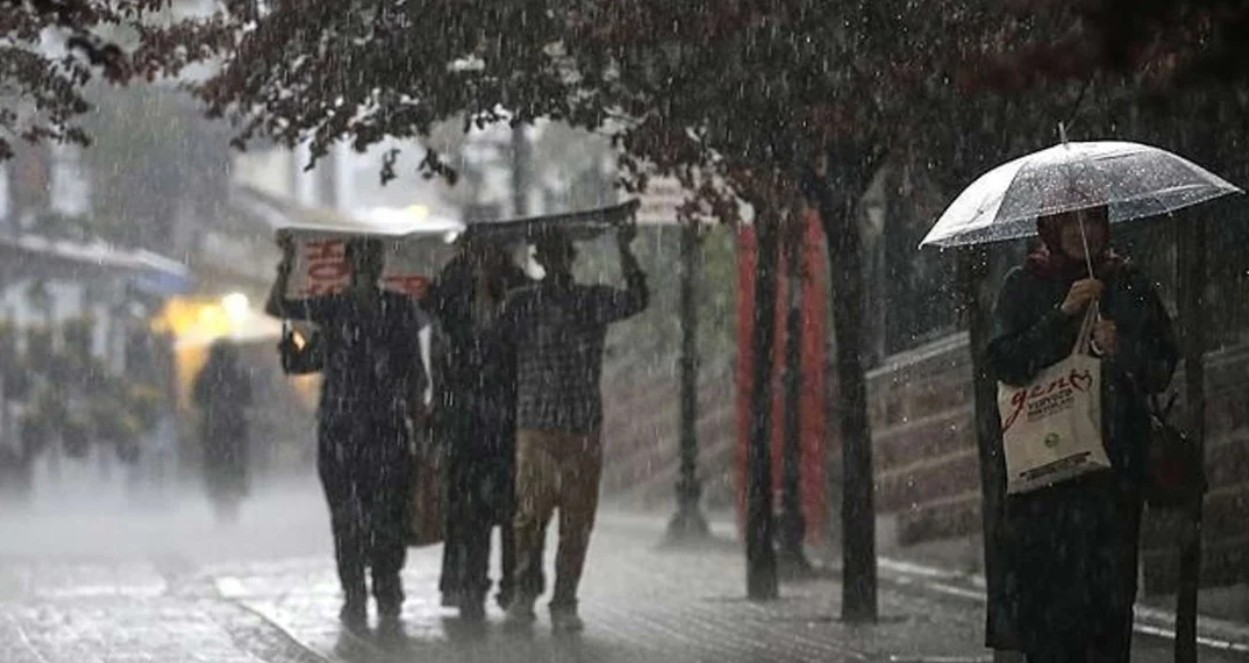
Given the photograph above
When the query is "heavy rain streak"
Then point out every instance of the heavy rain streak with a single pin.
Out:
(632, 331)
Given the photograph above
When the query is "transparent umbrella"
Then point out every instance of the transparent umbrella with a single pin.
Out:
(1132, 180)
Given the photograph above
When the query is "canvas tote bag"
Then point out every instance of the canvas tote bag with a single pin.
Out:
(1052, 427)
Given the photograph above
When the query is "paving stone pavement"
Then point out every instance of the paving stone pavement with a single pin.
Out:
(642, 605)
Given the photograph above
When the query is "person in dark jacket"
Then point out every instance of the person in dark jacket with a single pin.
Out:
(373, 380)
(1073, 547)
(223, 392)
(475, 415)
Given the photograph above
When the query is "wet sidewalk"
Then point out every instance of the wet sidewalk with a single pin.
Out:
(642, 605)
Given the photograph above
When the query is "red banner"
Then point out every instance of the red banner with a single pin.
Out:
(812, 431)
(321, 269)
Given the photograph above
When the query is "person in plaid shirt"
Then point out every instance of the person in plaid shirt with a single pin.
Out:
(559, 328)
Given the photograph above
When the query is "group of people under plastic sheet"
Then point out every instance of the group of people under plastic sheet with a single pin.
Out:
(516, 415)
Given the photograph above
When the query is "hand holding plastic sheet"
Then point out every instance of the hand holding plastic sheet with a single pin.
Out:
(413, 252)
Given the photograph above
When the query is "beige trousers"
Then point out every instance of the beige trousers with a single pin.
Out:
(556, 470)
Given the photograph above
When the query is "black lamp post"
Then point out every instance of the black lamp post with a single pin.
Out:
(688, 524)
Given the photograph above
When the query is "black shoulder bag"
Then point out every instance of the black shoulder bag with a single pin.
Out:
(1175, 474)
(301, 356)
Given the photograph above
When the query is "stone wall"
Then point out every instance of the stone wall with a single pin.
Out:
(642, 438)
(928, 473)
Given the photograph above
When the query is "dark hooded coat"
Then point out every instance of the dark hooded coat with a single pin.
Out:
(1072, 549)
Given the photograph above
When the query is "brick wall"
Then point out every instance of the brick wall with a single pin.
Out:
(1226, 526)
(925, 453)
(641, 430)
(928, 474)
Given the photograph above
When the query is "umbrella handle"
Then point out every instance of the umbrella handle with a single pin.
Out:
(1084, 238)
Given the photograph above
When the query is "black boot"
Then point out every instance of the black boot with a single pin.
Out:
(389, 595)
(355, 613)
(473, 608)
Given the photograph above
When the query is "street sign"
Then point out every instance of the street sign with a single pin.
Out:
(665, 195)
(660, 201)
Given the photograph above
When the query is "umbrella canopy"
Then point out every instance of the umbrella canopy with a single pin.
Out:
(1132, 180)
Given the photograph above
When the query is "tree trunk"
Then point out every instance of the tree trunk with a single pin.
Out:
(761, 576)
(792, 523)
(1191, 266)
(859, 603)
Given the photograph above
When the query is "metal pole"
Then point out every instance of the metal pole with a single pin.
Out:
(792, 525)
(1191, 266)
(520, 171)
(975, 294)
(688, 524)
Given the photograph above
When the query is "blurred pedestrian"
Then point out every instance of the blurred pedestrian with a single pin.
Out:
(373, 380)
(560, 328)
(1072, 548)
(476, 407)
(223, 392)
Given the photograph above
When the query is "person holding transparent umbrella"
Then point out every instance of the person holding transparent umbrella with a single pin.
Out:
(1074, 545)
(1067, 551)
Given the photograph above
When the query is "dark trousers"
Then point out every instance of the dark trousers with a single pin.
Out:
(225, 465)
(365, 465)
(479, 498)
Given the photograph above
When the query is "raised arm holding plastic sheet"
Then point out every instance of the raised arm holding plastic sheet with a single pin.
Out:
(373, 379)
(560, 329)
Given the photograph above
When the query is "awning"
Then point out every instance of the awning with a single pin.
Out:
(34, 256)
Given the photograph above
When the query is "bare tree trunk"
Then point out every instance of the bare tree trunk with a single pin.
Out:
(761, 575)
(837, 205)
(859, 603)
(792, 523)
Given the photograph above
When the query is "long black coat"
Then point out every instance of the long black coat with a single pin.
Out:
(475, 390)
(1071, 550)
(223, 392)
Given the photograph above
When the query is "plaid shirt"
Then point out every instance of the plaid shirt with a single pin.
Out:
(560, 329)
